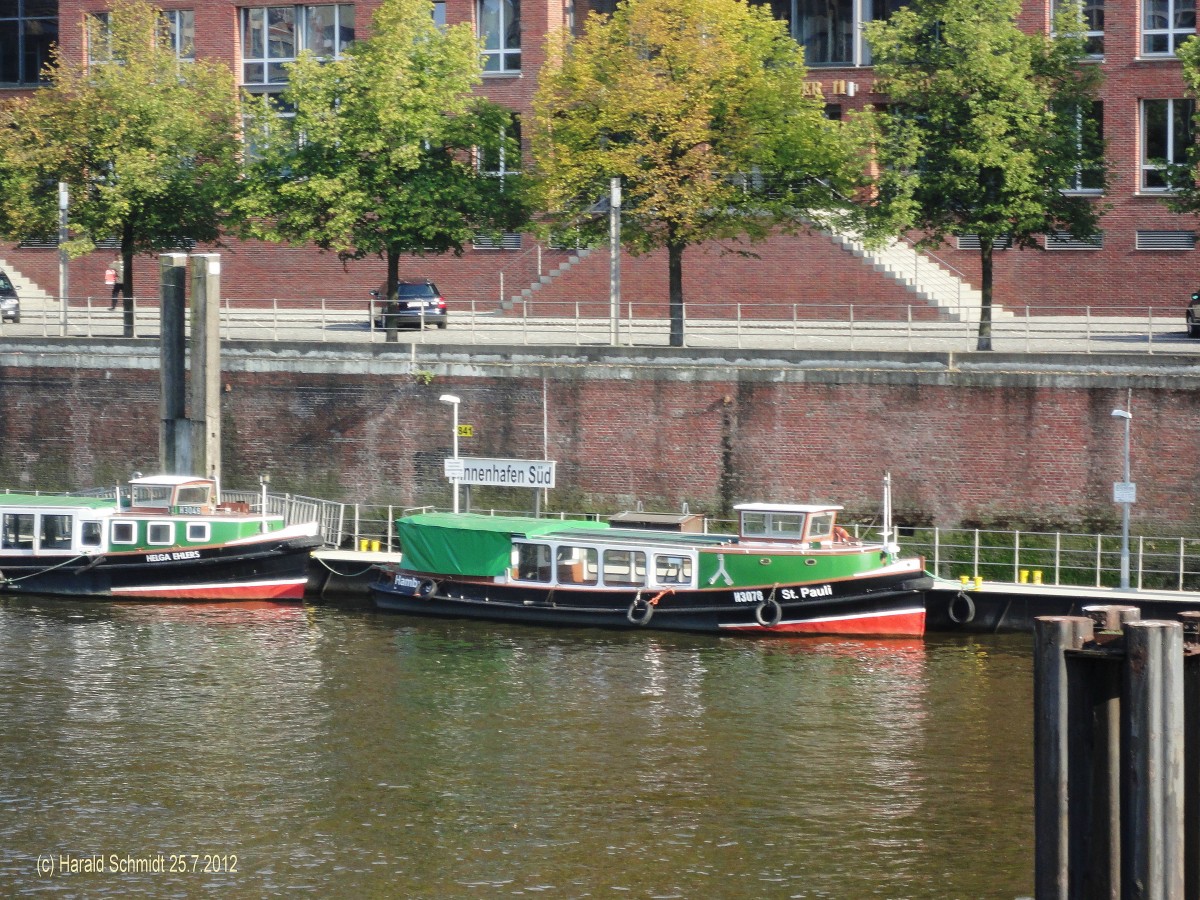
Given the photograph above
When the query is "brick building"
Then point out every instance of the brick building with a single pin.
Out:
(1144, 260)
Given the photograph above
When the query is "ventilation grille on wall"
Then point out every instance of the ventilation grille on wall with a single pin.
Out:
(1064, 240)
(1166, 240)
(510, 240)
(971, 242)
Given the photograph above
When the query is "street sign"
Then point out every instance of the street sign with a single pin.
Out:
(529, 473)
(1124, 492)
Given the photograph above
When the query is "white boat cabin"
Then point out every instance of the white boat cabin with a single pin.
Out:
(181, 495)
(792, 522)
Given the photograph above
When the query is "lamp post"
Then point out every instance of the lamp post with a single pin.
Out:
(1125, 493)
(454, 400)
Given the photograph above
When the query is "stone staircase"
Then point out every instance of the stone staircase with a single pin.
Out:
(577, 256)
(930, 279)
(27, 289)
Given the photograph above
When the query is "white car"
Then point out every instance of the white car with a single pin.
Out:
(10, 303)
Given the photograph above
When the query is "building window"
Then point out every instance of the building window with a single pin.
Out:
(500, 31)
(27, 30)
(1166, 136)
(1166, 24)
(439, 13)
(99, 39)
(1089, 141)
(1093, 22)
(506, 157)
(181, 32)
(830, 31)
(273, 36)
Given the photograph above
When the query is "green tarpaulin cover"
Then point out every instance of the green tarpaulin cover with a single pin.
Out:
(468, 544)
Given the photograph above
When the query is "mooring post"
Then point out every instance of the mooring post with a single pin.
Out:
(1053, 636)
(1191, 753)
(1152, 863)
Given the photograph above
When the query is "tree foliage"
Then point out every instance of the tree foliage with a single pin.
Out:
(1184, 195)
(379, 157)
(698, 107)
(984, 127)
(146, 143)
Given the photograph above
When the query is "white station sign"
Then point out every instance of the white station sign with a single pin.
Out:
(528, 473)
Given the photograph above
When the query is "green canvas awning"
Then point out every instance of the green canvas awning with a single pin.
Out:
(467, 544)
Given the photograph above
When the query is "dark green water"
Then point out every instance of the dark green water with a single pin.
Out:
(339, 752)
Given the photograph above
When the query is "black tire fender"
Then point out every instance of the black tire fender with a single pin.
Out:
(426, 588)
(640, 611)
(775, 613)
(967, 606)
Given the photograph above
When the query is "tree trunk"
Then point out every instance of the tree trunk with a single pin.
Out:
(127, 277)
(675, 287)
(985, 288)
(391, 323)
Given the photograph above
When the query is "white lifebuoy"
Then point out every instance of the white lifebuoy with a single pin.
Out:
(969, 614)
(776, 613)
(635, 614)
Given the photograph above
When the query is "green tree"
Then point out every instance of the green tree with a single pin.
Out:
(985, 127)
(698, 107)
(381, 156)
(1180, 173)
(146, 143)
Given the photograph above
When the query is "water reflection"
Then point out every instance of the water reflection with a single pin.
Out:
(339, 752)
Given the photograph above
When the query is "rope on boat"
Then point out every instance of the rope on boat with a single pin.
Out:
(359, 574)
(65, 562)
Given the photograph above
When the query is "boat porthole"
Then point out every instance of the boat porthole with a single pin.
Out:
(426, 588)
(960, 609)
(768, 619)
(810, 562)
(639, 611)
(765, 561)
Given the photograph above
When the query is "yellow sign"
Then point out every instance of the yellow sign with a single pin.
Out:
(466, 431)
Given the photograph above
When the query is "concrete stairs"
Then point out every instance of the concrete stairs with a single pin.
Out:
(576, 256)
(27, 289)
(933, 281)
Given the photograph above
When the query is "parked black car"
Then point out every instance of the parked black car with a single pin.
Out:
(10, 303)
(1193, 316)
(415, 301)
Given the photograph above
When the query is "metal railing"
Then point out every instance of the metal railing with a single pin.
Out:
(873, 327)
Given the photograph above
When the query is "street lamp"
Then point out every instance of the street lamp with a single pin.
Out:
(1125, 493)
(454, 400)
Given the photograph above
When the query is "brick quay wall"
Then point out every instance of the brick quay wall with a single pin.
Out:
(971, 439)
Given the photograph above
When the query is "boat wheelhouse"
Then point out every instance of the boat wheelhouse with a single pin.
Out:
(166, 537)
(790, 569)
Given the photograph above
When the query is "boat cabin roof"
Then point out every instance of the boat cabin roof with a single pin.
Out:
(55, 501)
(788, 507)
(170, 480)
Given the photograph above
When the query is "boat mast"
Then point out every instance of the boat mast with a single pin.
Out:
(886, 531)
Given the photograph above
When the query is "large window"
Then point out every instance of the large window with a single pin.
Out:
(506, 157)
(1166, 136)
(181, 32)
(500, 31)
(1166, 24)
(273, 36)
(1093, 22)
(27, 29)
(831, 30)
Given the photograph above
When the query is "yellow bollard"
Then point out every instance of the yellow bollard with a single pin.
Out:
(374, 546)
(965, 579)
(1024, 576)
(978, 582)
(362, 545)
(1037, 576)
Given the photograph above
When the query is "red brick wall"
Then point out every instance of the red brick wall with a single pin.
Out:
(978, 451)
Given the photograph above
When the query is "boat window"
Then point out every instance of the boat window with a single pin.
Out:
(774, 525)
(124, 532)
(161, 533)
(193, 495)
(624, 567)
(89, 534)
(578, 565)
(18, 531)
(533, 561)
(155, 495)
(672, 569)
(198, 532)
(56, 532)
(820, 526)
